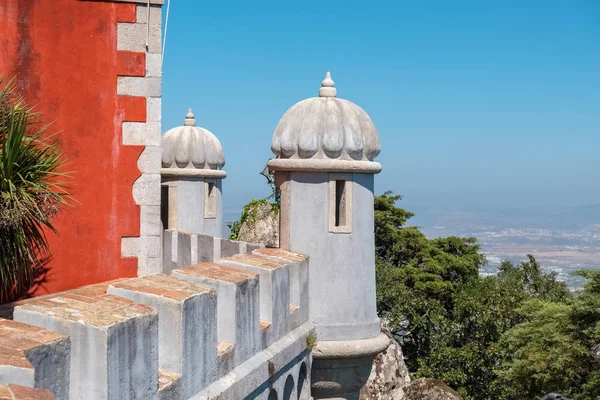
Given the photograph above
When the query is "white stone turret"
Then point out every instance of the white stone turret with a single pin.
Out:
(325, 148)
(192, 162)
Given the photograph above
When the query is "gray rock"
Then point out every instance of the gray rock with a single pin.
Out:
(389, 375)
(554, 396)
(429, 389)
(261, 226)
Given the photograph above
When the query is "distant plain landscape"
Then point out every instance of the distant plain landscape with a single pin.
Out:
(561, 239)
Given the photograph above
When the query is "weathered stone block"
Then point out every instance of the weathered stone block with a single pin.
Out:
(34, 357)
(150, 221)
(154, 113)
(299, 295)
(150, 246)
(114, 342)
(187, 326)
(169, 244)
(146, 190)
(206, 248)
(274, 290)
(130, 246)
(153, 65)
(153, 133)
(132, 37)
(134, 133)
(238, 305)
(229, 248)
(155, 14)
(149, 160)
(137, 86)
(149, 266)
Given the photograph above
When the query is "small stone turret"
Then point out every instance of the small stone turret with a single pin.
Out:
(325, 148)
(192, 162)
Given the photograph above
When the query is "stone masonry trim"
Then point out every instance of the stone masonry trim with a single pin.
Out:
(133, 37)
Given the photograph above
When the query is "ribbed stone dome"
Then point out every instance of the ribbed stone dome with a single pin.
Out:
(326, 128)
(191, 150)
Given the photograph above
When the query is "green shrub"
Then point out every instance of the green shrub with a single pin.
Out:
(32, 192)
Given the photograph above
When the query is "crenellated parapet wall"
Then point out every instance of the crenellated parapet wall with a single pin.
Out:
(181, 249)
(233, 329)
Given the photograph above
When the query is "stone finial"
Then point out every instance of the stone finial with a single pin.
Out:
(189, 119)
(327, 87)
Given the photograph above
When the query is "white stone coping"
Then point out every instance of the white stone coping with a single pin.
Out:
(351, 348)
(190, 172)
(296, 164)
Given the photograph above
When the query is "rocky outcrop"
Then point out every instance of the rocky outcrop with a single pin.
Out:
(390, 380)
(429, 389)
(261, 225)
(389, 375)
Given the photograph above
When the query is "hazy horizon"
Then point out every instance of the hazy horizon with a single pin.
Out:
(478, 104)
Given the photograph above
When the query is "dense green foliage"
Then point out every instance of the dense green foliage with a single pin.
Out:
(517, 335)
(30, 194)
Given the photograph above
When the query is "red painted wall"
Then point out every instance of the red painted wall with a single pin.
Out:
(64, 56)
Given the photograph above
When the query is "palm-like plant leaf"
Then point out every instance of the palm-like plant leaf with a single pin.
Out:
(32, 190)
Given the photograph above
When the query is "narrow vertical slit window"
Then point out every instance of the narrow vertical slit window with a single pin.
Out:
(210, 199)
(340, 203)
(164, 206)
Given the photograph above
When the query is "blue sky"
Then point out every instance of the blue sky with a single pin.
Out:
(477, 103)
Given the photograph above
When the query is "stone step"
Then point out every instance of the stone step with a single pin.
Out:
(17, 392)
(238, 309)
(274, 290)
(187, 326)
(298, 267)
(34, 357)
(114, 342)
